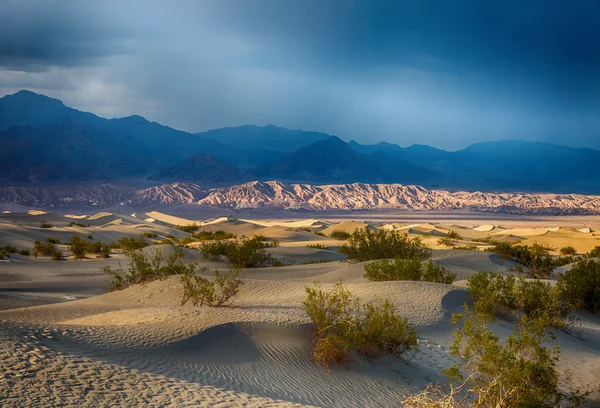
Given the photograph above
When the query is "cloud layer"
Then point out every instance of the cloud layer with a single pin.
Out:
(442, 73)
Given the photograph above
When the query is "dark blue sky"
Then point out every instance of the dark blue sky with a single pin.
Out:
(445, 73)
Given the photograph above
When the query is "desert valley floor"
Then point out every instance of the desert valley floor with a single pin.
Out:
(66, 341)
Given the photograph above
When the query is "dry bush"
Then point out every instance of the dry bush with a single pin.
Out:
(143, 268)
(211, 292)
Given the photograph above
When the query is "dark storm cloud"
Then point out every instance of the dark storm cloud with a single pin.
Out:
(443, 73)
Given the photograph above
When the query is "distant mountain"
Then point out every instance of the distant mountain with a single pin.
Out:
(45, 141)
(69, 150)
(269, 137)
(30, 109)
(276, 195)
(333, 160)
(327, 160)
(202, 168)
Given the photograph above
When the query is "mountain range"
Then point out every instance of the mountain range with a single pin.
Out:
(276, 195)
(45, 142)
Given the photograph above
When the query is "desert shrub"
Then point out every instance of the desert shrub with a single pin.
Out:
(342, 323)
(24, 252)
(9, 249)
(568, 250)
(507, 296)
(595, 252)
(316, 261)
(90, 236)
(340, 234)
(407, 269)
(130, 244)
(46, 225)
(536, 257)
(101, 249)
(188, 228)
(469, 247)
(149, 235)
(445, 241)
(366, 245)
(78, 247)
(580, 286)
(249, 253)
(454, 235)
(320, 233)
(317, 246)
(187, 240)
(76, 224)
(493, 373)
(145, 268)
(43, 248)
(214, 250)
(56, 255)
(213, 235)
(54, 240)
(211, 292)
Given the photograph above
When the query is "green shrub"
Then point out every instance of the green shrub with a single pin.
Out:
(320, 233)
(580, 286)
(76, 224)
(536, 257)
(213, 235)
(316, 261)
(145, 268)
(149, 235)
(43, 248)
(340, 234)
(130, 244)
(445, 241)
(90, 236)
(211, 292)
(516, 372)
(78, 247)
(56, 255)
(508, 296)
(249, 253)
(342, 323)
(24, 252)
(188, 228)
(54, 240)
(366, 245)
(568, 250)
(469, 247)
(454, 235)
(407, 269)
(317, 246)
(594, 253)
(46, 225)
(9, 249)
(214, 250)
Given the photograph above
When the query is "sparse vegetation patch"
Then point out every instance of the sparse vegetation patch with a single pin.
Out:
(407, 269)
(366, 244)
(343, 324)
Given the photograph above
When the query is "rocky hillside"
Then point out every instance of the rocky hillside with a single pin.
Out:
(277, 195)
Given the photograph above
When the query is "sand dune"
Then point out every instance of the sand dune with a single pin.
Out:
(65, 341)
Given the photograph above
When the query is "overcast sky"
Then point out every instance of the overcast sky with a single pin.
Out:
(444, 73)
